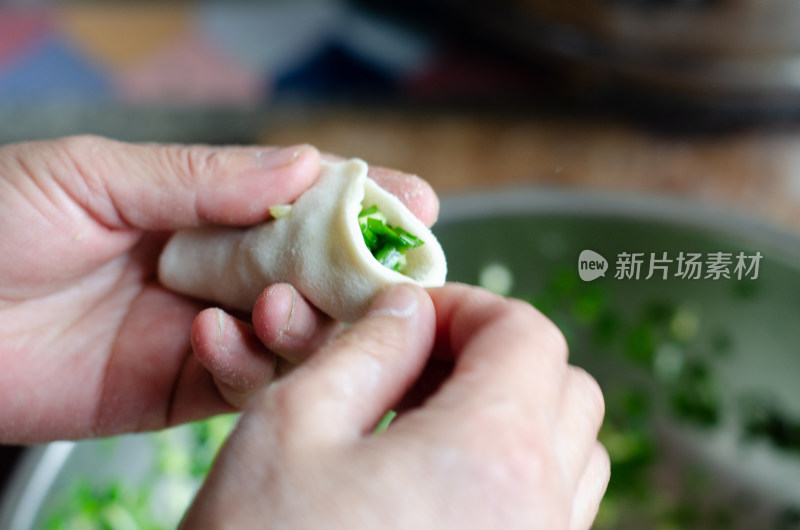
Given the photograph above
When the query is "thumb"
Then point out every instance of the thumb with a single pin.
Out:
(170, 186)
(344, 389)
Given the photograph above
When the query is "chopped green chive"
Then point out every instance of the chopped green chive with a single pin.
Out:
(368, 211)
(370, 238)
(390, 258)
(280, 210)
(388, 244)
(385, 421)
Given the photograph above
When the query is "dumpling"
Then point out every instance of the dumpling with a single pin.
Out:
(317, 246)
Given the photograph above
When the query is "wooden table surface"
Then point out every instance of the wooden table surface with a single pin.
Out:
(755, 171)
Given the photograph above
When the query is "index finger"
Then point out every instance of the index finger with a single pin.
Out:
(502, 349)
(414, 192)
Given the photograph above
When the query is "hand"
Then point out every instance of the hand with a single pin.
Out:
(508, 440)
(90, 344)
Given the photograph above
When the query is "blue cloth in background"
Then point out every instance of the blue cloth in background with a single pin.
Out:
(53, 71)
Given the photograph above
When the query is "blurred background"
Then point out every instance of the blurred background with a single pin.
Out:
(692, 100)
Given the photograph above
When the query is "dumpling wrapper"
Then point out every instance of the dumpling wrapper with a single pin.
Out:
(318, 248)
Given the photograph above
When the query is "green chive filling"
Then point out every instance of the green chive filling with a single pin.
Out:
(385, 421)
(388, 244)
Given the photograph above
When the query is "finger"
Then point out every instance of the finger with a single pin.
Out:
(414, 192)
(504, 350)
(579, 419)
(165, 187)
(591, 488)
(343, 391)
(288, 325)
(417, 195)
(195, 396)
(230, 350)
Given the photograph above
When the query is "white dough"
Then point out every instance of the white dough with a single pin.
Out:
(318, 247)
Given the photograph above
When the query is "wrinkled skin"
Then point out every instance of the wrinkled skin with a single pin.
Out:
(90, 343)
(507, 441)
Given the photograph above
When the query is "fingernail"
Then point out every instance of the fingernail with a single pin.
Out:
(278, 158)
(294, 328)
(399, 301)
(220, 325)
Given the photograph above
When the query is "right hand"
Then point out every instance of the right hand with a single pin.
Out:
(507, 440)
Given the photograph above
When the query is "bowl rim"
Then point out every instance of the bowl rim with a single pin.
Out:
(713, 218)
(30, 482)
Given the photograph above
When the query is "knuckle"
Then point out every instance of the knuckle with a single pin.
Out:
(516, 444)
(590, 391)
(548, 334)
(553, 338)
(603, 460)
(81, 143)
(510, 453)
(192, 161)
(83, 151)
(92, 159)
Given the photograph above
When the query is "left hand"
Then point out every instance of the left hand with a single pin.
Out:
(90, 343)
